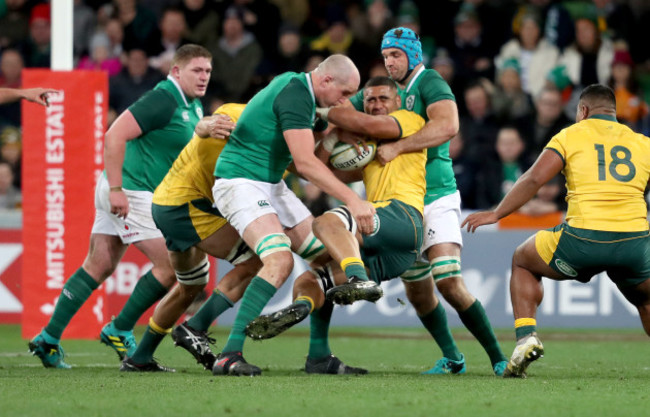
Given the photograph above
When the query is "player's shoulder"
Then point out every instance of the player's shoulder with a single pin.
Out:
(407, 115)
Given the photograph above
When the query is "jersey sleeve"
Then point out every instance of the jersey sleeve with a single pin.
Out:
(408, 122)
(153, 110)
(434, 88)
(558, 145)
(294, 107)
(357, 100)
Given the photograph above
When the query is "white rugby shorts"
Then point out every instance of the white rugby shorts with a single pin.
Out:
(241, 201)
(137, 226)
(442, 222)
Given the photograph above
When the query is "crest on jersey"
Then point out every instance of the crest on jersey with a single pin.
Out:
(410, 102)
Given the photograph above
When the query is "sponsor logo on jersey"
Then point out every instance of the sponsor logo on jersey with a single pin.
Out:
(565, 268)
(410, 102)
(186, 116)
(263, 203)
(199, 112)
(430, 233)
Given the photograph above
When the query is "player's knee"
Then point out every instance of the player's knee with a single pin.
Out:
(275, 252)
(311, 248)
(335, 218)
(197, 276)
(444, 267)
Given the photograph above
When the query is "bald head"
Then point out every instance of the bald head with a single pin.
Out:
(335, 80)
(596, 99)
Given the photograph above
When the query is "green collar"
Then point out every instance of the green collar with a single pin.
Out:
(603, 117)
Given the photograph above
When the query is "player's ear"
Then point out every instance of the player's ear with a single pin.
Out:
(399, 102)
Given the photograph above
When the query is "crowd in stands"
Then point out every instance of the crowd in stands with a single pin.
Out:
(515, 67)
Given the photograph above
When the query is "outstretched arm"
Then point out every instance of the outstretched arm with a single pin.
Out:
(548, 165)
(378, 127)
(35, 95)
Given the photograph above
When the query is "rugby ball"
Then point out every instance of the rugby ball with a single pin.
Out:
(346, 158)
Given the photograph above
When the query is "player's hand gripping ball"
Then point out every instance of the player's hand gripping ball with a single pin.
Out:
(346, 158)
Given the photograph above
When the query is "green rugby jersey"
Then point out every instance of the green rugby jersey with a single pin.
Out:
(256, 149)
(167, 119)
(427, 87)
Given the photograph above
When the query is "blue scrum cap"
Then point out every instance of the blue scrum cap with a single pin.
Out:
(406, 40)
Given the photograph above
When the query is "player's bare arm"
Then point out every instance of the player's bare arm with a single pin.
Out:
(548, 165)
(35, 95)
(124, 129)
(443, 125)
(377, 127)
(301, 146)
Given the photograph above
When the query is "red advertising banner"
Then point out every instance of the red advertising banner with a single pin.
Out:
(62, 156)
(11, 250)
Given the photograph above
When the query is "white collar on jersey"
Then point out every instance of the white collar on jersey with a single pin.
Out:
(417, 74)
(178, 86)
(311, 87)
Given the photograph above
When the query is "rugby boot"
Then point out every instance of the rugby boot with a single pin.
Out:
(448, 366)
(129, 366)
(234, 364)
(196, 342)
(499, 368)
(528, 350)
(331, 365)
(51, 355)
(122, 341)
(271, 325)
(353, 290)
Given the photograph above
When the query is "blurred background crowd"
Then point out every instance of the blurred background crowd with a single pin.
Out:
(516, 67)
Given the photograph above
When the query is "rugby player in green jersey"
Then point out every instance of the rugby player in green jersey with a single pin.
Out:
(139, 149)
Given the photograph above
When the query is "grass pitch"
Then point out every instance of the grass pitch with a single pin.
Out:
(584, 373)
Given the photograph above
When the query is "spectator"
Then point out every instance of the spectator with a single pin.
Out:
(618, 20)
(100, 58)
(494, 21)
(10, 151)
(471, 55)
(10, 196)
(369, 26)
(408, 16)
(133, 81)
(548, 119)
(535, 54)
(115, 33)
(83, 27)
(479, 123)
(11, 67)
(236, 57)
(36, 48)
(497, 176)
(549, 199)
(139, 25)
(203, 23)
(292, 53)
(509, 101)
(14, 25)
(445, 67)
(172, 29)
(630, 108)
(262, 19)
(589, 59)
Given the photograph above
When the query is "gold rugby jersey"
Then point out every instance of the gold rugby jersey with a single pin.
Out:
(191, 176)
(403, 178)
(606, 166)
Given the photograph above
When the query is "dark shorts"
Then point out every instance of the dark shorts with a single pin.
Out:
(581, 253)
(188, 224)
(396, 244)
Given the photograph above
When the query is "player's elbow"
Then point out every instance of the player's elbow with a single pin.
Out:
(450, 128)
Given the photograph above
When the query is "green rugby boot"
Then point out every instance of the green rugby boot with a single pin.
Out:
(447, 366)
(51, 355)
(122, 341)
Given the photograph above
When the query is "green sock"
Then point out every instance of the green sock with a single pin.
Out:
(148, 345)
(436, 323)
(524, 331)
(476, 321)
(356, 270)
(256, 296)
(209, 311)
(319, 323)
(75, 292)
(145, 294)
